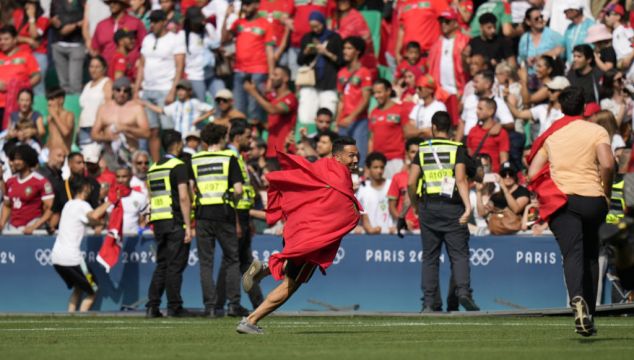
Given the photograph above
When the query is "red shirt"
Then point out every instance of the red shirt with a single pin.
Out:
(351, 85)
(493, 145)
(419, 19)
(122, 62)
(418, 69)
(41, 23)
(273, 11)
(252, 37)
(386, 126)
(103, 39)
(280, 125)
(398, 192)
(19, 67)
(354, 24)
(303, 8)
(26, 196)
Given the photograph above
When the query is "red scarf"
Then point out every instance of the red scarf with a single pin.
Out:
(111, 246)
(548, 194)
(319, 208)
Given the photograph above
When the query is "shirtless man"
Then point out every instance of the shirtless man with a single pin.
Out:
(121, 122)
(60, 122)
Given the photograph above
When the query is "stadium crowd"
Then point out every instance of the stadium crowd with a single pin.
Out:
(86, 87)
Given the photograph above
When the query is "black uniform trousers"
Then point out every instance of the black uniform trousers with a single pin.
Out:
(576, 227)
(207, 232)
(245, 257)
(439, 224)
(171, 260)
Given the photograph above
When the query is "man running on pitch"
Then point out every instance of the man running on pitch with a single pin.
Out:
(317, 203)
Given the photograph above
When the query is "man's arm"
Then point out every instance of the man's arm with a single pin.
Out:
(412, 185)
(95, 216)
(46, 215)
(504, 156)
(399, 44)
(606, 168)
(35, 79)
(97, 132)
(179, 60)
(141, 128)
(185, 204)
(361, 107)
(540, 159)
(367, 226)
(463, 189)
(280, 108)
(6, 212)
(139, 77)
(459, 134)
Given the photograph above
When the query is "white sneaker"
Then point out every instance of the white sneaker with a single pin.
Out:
(253, 275)
(244, 327)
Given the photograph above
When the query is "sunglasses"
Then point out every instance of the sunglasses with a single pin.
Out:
(445, 21)
(540, 17)
(121, 89)
(143, 163)
(219, 100)
(553, 90)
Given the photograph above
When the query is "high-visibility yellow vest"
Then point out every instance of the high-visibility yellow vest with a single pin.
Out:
(248, 192)
(617, 204)
(438, 166)
(211, 171)
(160, 188)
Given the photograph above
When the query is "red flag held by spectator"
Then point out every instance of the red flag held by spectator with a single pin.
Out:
(111, 247)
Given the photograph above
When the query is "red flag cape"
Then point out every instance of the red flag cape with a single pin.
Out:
(548, 194)
(319, 208)
(111, 247)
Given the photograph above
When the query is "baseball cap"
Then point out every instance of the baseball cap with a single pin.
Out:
(614, 8)
(91, 153)
(558, 83)
(598, 32)
(426, 81)
(224, 94)
(506, 169)
(185, 84)
(192, 133)
(157, 15)
(573, 5)
(591, 109)
(449, 14)
(122, 82)
(249, 2)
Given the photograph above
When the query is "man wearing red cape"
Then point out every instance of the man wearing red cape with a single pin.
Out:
(318, 206)
(571, 168)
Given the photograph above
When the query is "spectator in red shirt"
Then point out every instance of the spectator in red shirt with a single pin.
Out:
(482, 138)
(348, 22)
(398, 201)
(29, 197)
(386, 128)
(281, 105)
(278, 13)
(103, 40)
(413, 62)
(32, 28)
(354, 83)
(18, 69)
(419, 22)
(301, 27)
(254, 59)
(445, 62)
(121, 63)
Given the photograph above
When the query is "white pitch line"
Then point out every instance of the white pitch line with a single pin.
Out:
(296, 325)
(87, 328)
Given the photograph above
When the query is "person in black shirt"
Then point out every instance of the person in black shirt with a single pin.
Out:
(493, 47)
(218, 189)
(52, 171)
(511, 194)
(170, 215)
(584, 73)
(77, 168)
(444, 210)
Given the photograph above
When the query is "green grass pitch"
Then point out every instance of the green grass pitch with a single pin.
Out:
(360, 337)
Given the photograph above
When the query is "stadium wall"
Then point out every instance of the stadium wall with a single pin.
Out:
(373, 273)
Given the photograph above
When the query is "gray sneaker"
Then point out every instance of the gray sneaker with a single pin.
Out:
(253, 275)
(244, 327)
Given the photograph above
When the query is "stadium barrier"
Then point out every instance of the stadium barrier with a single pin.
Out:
(370, 273)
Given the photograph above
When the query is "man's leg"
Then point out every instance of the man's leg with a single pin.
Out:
(73, 301)
(77, 55)
(308, 105)
(254, 110)
(457, 242)
(205, 240)
(246, 258)
(154, 142)
(61, 58)
(177, 256)
(230, 262)
(274, 300)
(87, 302)
(429, 275)
(239, 95)
(359, 131)
(157, 285)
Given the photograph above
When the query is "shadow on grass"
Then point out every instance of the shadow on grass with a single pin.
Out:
(335, 332)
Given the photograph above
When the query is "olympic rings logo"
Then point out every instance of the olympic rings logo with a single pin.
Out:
(341, 253)
(481, 256)
(43, 256)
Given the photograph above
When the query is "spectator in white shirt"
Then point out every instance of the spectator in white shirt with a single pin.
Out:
(185, 113)
(160, 69)
(140, 166)
(421, 114)
(373, 197)
(544, 114)
(621, 35)
(483, 87)
(134, 205)
(199, 59)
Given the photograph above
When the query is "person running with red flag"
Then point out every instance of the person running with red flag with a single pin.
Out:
(318, 206)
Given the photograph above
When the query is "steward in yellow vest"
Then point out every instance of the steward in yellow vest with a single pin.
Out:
(617, 204)
(170, 205)
(439, 191)
(219, 188)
